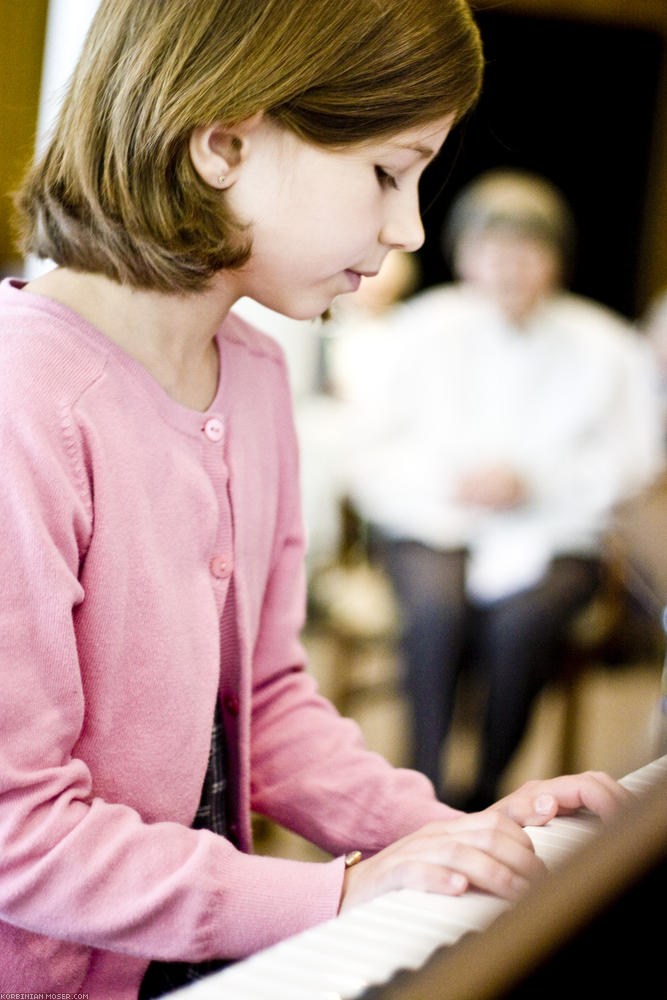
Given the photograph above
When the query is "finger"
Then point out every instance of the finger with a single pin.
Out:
(529, 806)
(488, 857)
(469, 867)
(516, 855)
(489, 819)
(503, 873)
(536, 802)
(592, 790)
(426, 876)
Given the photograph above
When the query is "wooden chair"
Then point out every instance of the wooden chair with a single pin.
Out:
(352, 602)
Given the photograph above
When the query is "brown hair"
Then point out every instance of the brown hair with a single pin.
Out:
(116, 193)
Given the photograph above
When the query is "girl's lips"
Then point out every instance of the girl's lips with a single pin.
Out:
(356, 276)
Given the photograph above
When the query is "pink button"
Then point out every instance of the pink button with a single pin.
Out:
(214, 429)
(221, 566)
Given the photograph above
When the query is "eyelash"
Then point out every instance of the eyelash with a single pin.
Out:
(385, 179)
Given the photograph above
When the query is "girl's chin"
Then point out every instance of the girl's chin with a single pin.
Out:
(307, 308)
(310, 303)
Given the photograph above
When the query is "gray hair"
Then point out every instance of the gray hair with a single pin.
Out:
(514, 201)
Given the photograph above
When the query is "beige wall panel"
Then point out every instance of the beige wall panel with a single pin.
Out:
(21, 47)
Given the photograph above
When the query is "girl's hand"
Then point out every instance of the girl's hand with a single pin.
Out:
(536, 802)
(487, 850)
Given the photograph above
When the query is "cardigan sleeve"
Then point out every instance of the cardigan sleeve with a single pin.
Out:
(310, 768)
(314, 775)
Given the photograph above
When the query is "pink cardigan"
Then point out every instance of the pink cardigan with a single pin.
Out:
(125, 519)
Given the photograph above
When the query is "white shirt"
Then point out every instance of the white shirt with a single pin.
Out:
(447, 384)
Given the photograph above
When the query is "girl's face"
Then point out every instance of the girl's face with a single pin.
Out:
(320, 218)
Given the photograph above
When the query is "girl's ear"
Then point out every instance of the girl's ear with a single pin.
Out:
(218, 151)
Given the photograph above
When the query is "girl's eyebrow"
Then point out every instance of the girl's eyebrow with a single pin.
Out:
(424, 151)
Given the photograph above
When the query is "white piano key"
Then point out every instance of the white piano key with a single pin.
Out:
(439, 918)
(553, 854)
(283, 967)
(470, 910)
(300, 974)
(582, 825)
(261, 987)
(560, 838)
(642, 779)
(407, 950)
(418, 921)
(555, 842)
(347, 950)
(333, 977)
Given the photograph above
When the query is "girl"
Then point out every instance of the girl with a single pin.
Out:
(154, 690)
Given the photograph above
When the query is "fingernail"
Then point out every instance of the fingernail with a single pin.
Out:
(544, 804)
(457, 882)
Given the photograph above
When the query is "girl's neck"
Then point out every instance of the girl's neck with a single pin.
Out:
(171, 336)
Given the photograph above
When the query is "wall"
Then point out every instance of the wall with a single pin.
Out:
(577, 92)
(21, 47)
(640, 15)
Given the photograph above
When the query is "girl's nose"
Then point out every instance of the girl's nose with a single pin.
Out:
(402, 228)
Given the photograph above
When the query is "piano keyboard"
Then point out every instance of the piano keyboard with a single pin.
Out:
(367, 946)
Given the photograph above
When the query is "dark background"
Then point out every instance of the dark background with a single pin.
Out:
(574, 102)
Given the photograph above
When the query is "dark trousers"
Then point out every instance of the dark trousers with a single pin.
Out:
(513, 644)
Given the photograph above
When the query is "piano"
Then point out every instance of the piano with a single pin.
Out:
(409, 945)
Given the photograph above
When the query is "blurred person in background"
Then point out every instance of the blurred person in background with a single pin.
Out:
(503, 417)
